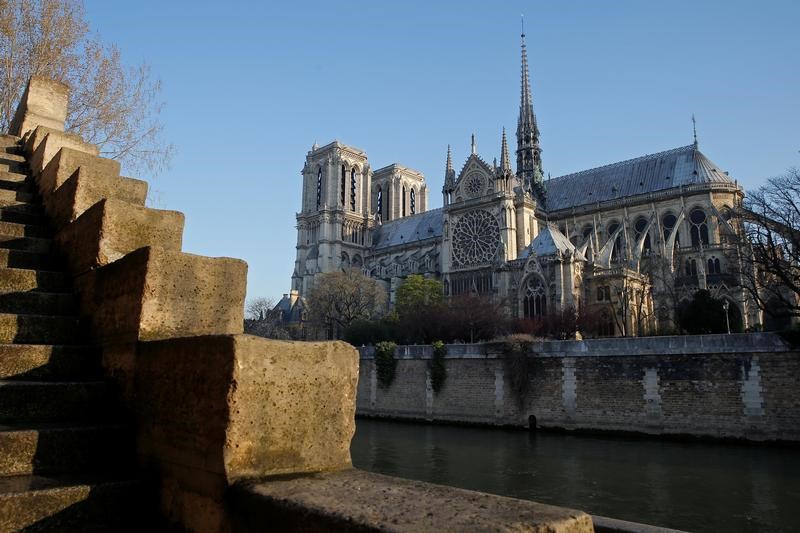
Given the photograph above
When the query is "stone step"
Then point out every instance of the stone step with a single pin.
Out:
(37, 362)
(29, 260)
(16, 280)
(9, 140)
(65, 448)
(76, 503)
(26, 186)
(28, 244)
(56, 401)
(39, 302)
(15, 177)
(13, 157)
(22, 213)
(11, 197)
(39, 329)
(13, 166)
(15, 229)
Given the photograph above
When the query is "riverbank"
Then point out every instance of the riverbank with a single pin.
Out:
(709, 386)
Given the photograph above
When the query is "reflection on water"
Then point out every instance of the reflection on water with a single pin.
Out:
(697, 486)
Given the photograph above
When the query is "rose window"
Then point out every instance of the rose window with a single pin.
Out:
(474, 184)
(476, 238)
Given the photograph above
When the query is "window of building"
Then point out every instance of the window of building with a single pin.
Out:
(379, 206)
(714, 266)
(353, 190)
(403, 211)
(319, 188)
(535, 301)
(342, 186)
(691, 268)
(413, 201)
(699, 227)
(612, 229)
(606, 327)
(604, 293)
(639, 228)
(668, 223)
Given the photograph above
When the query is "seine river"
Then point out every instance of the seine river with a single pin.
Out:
(695, 486)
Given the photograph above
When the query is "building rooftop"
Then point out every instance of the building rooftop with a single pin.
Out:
(409, 229)
(650, 173)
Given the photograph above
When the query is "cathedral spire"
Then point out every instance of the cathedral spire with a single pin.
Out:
(474, 148)
(529, 162)
(449, 166)
(505, 160)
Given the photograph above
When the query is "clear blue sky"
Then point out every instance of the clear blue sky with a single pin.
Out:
(249, 87)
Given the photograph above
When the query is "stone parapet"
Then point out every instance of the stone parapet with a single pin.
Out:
(110, 229)
(354, 500)
(44, 143)
(83, 190)
(67, 161)
(265, 407)
(44, 103)
(154, 294)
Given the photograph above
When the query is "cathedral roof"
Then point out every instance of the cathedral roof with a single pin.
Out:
(407, 230)
(549, 241)
(650, 173)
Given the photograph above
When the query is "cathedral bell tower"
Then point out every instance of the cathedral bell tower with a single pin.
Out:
(334, 222)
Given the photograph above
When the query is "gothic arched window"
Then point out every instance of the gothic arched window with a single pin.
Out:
(319, 187)
(535, 301)
(413, 198)
(699, 228)
(639, 227)
(404, 202)
(668, 222)
(353, 190)
(713, 266)
(342, 186)
(379, 204)
(691, 268)
(612, 229)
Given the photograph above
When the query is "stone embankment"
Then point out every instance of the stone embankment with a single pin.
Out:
(741, 386)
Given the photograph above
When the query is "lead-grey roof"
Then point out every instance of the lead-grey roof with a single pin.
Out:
(650, 173)
(549, 241)
(410, 229)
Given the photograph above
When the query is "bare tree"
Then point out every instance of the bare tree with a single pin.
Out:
(112, 105)
(339, 298)
(264, 320)
(771, 216)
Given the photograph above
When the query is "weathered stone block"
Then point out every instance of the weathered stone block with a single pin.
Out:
(153, 294)
(44, 103)
(112, 228)
(85, 188)
(44, 144)
(223, 408)
(66, 162)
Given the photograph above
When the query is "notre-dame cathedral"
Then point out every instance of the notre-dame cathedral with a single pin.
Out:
(627, 241)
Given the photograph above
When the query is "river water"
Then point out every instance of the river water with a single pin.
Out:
(695, 486)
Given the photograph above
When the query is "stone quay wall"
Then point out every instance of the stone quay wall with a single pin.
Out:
(742, 386)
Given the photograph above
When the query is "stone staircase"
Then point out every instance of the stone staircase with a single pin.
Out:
(67, 458)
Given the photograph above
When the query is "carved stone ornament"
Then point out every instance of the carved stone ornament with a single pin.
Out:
(476, 237)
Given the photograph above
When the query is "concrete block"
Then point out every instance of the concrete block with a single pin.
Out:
(112, 228)
(85, 188)
(223, 408)
(66, 162)
(44, 103)
(153, 294)
(44, 145)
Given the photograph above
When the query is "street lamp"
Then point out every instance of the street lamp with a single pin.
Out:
(725, 306)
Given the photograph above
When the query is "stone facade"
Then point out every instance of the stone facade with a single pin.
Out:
(737, 386)
(626, 242)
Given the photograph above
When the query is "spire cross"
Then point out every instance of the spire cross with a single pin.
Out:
(522, 19)
(694, 130)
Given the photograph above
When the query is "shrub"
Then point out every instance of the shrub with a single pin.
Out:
(385, 363)
(436, 366)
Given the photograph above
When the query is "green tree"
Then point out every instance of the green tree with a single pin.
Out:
(417, 293)
(112, 105)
